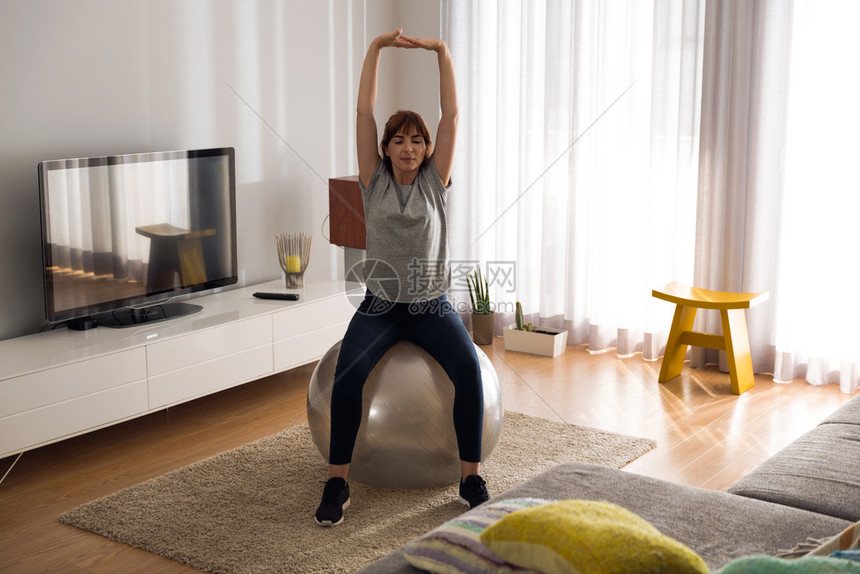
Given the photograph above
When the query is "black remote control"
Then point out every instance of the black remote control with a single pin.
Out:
(281, 296)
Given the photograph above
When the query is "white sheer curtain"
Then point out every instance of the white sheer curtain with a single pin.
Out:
(728, 164)
(577, 155)
(778, 193)
(744, 103)
(817, 310)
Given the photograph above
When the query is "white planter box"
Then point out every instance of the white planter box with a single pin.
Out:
(549, 343)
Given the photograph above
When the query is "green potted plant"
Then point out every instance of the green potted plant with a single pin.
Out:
(483, 318)
(527, 338)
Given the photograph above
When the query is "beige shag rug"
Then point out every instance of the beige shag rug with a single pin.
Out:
(251, 509)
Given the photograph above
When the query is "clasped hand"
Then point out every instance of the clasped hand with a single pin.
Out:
(398, 40)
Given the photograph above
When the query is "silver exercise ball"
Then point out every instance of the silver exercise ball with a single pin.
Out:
(406, 438)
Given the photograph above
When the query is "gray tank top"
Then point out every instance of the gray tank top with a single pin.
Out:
(407, 236)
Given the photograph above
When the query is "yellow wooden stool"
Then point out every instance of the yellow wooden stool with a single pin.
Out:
(734, 340)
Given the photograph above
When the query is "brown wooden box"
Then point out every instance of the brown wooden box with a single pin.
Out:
(346, 212)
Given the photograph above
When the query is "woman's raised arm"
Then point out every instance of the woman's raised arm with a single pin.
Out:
(446, 133)
(365, 127)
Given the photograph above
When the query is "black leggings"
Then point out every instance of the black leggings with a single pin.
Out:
(432, 325)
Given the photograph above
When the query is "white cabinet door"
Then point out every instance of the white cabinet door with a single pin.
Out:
(58, 384)
(201, 363)
(304, 334)
(50, 423)
(298, 321)
(208, 345)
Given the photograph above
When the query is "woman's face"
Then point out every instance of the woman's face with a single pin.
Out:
(406, 150)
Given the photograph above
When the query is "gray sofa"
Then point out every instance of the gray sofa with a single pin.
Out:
(810, 489)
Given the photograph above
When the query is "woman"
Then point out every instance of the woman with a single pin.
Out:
(406, 273)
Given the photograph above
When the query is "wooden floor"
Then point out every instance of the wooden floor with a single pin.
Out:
(705, 435)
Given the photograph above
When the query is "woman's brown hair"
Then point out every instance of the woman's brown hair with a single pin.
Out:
(405, 121)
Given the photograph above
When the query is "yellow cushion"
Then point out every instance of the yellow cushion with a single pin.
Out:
(587, 537)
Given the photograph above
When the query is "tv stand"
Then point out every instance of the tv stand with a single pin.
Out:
(136, 316)
(62, 383)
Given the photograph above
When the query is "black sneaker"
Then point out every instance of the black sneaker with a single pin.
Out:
(335, 500)
(473, 491)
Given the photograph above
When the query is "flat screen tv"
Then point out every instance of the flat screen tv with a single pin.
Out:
(123, 234)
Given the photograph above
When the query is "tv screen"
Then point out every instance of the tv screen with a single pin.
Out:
(121, 233)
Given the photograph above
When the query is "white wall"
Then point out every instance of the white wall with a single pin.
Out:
(100, 77)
